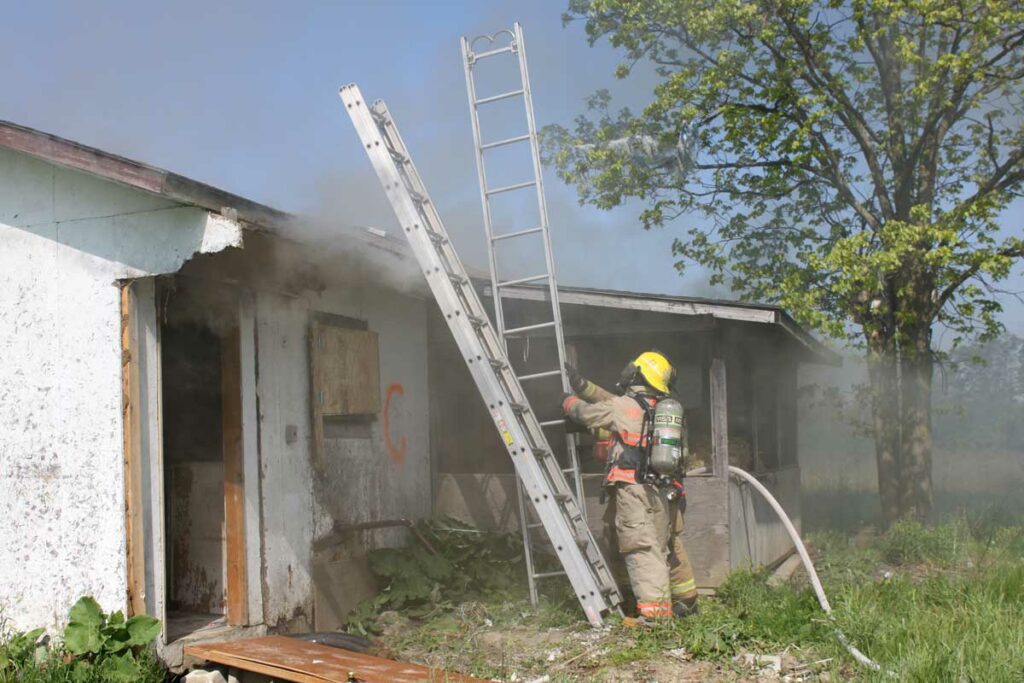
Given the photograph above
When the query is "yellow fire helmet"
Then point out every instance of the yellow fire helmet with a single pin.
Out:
(656, 369)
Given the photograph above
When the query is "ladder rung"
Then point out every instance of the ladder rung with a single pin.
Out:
(510, 188)
(528, 328)
(506, 141)
(564, 497)
(539, 375)
(548, 575)
(502, 96)
(535, 525)
(491, 53)
(551, 423)
(524, 280)
(519, 233)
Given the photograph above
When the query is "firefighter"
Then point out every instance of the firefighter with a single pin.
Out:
(645, 510)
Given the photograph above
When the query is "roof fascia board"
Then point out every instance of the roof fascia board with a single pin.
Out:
(76, 156)
(738, 313)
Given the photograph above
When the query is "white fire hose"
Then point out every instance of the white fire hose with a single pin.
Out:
(806, 559)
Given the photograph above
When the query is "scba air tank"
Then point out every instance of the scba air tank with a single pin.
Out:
(667, 445)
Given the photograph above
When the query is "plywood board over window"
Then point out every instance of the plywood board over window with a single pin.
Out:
(345, 376)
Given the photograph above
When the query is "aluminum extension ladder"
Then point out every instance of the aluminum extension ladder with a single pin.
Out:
(516, 50)
(484, 353)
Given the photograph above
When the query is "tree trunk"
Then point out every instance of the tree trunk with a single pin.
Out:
(881, 362)
(916, 500)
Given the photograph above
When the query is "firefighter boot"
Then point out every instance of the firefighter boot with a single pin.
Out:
(685, 608)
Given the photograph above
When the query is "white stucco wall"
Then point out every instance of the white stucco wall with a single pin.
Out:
(65, 238)
(364, 481)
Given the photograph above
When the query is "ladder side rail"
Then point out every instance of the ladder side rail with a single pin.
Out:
(571, 441)
(481, 172)
(581, 569)
(524, 524)
(542, 207)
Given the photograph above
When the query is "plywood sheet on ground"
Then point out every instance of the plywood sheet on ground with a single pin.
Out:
(288, 659)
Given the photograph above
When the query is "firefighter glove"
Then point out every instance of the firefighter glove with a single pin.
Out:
(576, 380)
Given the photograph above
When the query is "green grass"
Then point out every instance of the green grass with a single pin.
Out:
(942, 604)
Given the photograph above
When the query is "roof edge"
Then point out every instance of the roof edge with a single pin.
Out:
(738, 311)
(76, 156)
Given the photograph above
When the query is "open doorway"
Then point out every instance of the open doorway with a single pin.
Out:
(202, 459)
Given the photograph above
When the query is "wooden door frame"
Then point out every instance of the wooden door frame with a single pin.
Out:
(236, 592)
(142, 405)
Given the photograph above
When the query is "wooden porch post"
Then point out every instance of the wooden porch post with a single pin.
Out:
(719, 419)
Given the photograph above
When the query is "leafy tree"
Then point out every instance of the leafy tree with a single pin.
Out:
(847, 159)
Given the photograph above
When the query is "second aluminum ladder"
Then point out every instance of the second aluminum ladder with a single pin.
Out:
(494, 47)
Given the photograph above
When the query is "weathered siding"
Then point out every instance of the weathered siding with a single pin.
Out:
(757, 536)
(364, 478)
(65, 238)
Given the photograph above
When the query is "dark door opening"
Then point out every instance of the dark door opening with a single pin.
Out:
(202, 456)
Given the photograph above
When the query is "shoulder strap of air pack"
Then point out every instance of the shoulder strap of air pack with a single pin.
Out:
(644, 401)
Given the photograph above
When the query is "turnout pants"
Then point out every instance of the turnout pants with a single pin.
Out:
(648, 533)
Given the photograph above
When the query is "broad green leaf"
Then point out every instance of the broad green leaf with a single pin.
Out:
(86, 612)
(142, 629)
(80, 639)
(115, 638)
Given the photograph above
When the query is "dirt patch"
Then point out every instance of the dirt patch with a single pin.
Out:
(468, 641)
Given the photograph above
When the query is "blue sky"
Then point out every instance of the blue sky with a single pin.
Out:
(243, 95)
